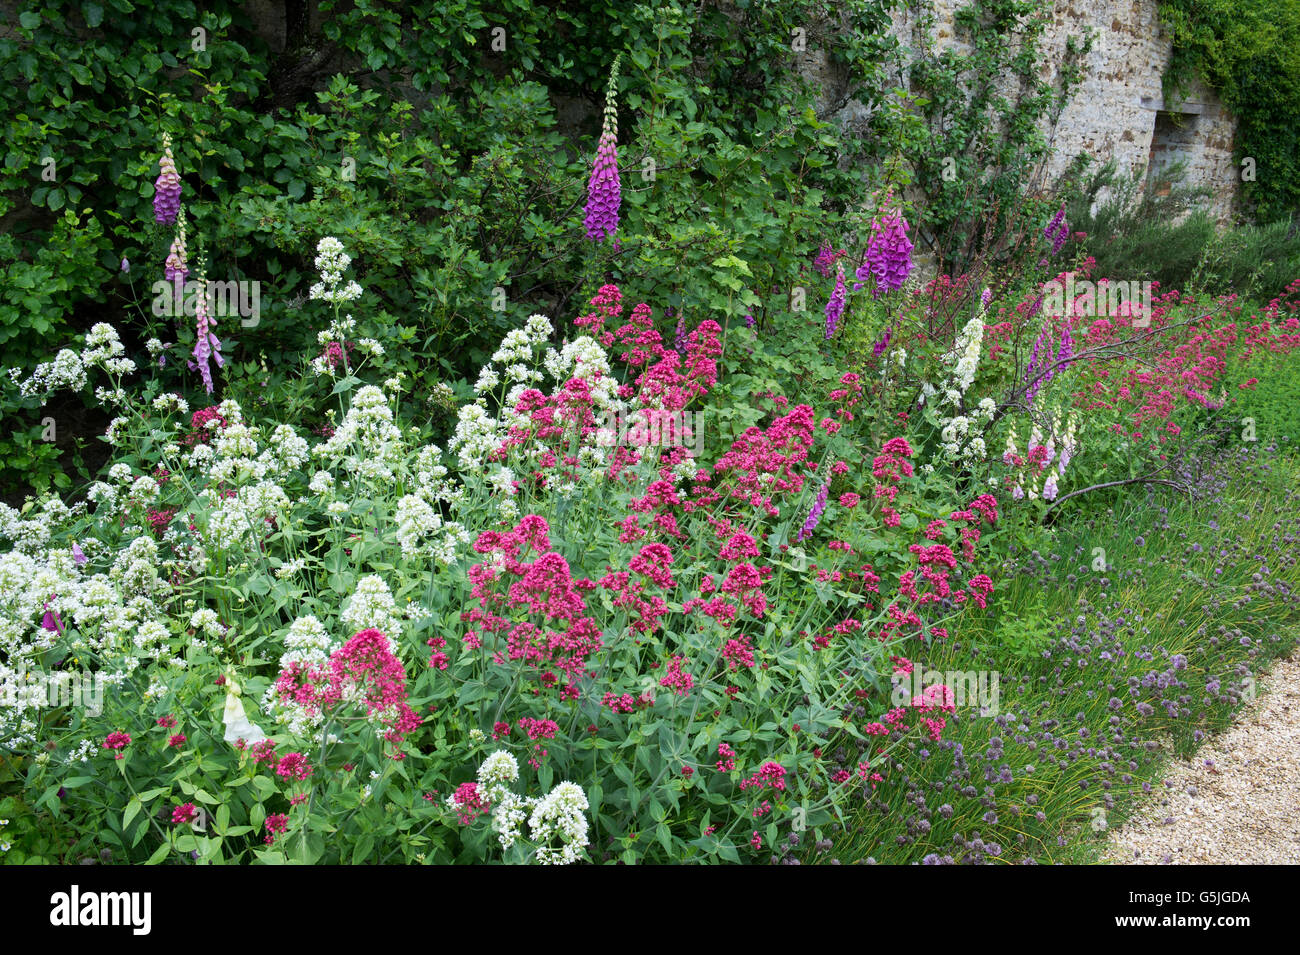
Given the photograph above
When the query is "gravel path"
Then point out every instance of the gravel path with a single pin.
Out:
(1241, 809)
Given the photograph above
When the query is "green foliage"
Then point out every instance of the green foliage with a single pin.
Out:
(1245, 50)
(1161, 233)
(428, 137)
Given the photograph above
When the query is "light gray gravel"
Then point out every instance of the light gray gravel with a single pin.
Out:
(1242, 808)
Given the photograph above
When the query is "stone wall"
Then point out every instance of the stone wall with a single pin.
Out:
(1118, 111)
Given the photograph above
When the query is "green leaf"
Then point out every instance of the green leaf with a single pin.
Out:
(132, 810)
(159, 854)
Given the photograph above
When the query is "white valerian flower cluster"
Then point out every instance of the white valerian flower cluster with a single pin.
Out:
(168, 401)
(240, 521)
(308, 644)
(49, 600)
(477, 436)
(478, 433)
(331, 262)
(66, 371)
(286, 452)
(69, 370)
(557, 816)
(367, 443)
(421, 531)
(372, 607)
(962, 434)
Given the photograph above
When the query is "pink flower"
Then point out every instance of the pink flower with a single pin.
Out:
(470, 803)
(676, 679)
(293, 766)
(184, 813)
(167, 188)
(728, 761)
(539, 729)
(769, 775)
(275, 824)
(176, 740)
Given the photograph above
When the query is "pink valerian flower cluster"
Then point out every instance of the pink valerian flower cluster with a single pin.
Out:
(293, 766)
(363, 670)
(652, 565)
(841, 629)
(538, 730)
(469, 803)
(201, 432)
(889, 467)
(627, 703)
(763, 463)
(335, 354)
(828, 257)
(677, 679)
(936, 697)
(275, 824)
(983, 509)
(769, 776)
(726, 758)
(738, 652)
(118, 741)
(556, 633)
(847, 397)
(184, 813)
(438, 660)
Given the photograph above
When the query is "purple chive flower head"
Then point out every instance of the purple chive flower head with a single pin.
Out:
(603, 189)
(889, 255)
(167, 188)
(814, 515)
(835, 307)
(126, 266)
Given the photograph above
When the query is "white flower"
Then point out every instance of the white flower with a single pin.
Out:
(372, 607)
(560, 814)
(237, 724)
(322, 482)
(498, 769)
(331, 260)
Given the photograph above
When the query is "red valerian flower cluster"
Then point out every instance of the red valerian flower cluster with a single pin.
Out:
(363, 670)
